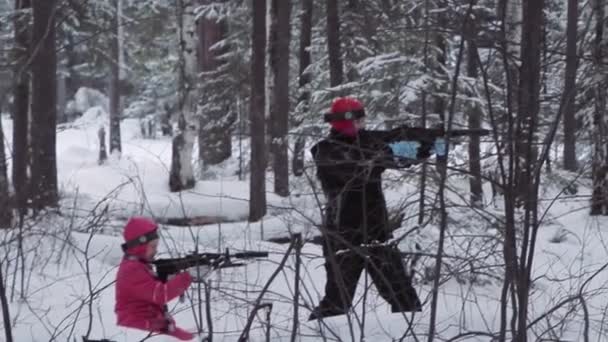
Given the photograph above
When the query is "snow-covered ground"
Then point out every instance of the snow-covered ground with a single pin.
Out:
(71, 259)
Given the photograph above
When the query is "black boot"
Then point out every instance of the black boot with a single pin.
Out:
(407, 307)
(322, 312)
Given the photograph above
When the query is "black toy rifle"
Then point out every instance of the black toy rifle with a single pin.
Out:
(167, 267)
(426, 137)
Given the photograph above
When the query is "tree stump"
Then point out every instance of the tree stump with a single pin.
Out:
(103, 154)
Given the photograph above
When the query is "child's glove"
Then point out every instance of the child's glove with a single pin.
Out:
(405, 149)
(439, 147)
(199, 273)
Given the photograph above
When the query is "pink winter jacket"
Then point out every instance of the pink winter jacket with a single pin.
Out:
(140, 296)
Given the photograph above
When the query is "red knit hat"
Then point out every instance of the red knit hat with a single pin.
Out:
(344, 110)
(137, 233)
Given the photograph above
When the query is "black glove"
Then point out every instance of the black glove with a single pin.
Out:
(425, 150)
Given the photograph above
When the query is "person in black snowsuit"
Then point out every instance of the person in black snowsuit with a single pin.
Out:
(350, 163)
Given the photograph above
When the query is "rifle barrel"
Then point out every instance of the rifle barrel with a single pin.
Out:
(245, 255)
(468, 132)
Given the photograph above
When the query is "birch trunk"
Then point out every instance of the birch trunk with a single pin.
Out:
(181, 175)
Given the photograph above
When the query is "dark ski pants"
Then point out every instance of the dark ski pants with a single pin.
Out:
(388, 273)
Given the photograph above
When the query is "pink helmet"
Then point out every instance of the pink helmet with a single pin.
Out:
(137, 233)
(344, 110)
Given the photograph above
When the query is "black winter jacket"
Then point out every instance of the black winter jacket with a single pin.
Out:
(350, 171)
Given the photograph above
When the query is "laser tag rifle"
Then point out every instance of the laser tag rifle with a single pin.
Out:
(167, 267)
(428, 136)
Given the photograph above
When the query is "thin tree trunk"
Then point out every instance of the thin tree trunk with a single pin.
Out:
(115, 143)
(5, 205)
(528, 110)
(181, 176)
(351, 18)
(510, 14)
(475, 181)
(569, 95)
(424, 102)
(5, 309)
(336, 72)
(528, 97)
(44, 105)
(439, 104)
(443, 215)
(279, 107)
(303, 105)
(103, 154)
(257, 181)
(21, 100)
(599, 196)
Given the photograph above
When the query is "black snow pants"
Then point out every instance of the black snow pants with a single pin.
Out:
(386, 268)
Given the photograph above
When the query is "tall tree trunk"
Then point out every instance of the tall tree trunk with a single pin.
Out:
(435, 61)
(475, 113)
(528, 95)
(336, 72)
(280, 15)
(423, 106)
(351, 18)
(599, 196)
(181, 176)
(257, 181)
(510, 14)
(439, 103)
(115, 143)
(297, 165)
(217, 114)
(21, 107)
(526, 154)
(569, 95)
(5, 205)
(44, 105)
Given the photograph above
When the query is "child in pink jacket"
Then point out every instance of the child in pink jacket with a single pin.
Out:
(140, 297)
